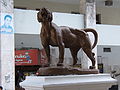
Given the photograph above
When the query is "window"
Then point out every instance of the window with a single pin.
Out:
(106, 49)
(98, 19)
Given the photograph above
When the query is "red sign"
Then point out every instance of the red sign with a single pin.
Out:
(27, 57)
(30, 57)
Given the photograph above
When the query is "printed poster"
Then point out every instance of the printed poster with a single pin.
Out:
(6, 26)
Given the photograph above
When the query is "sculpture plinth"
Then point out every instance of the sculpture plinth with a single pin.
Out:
(61, 70)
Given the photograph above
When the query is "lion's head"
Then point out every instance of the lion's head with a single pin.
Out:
(44, 15)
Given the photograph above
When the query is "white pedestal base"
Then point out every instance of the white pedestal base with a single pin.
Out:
(69, 82)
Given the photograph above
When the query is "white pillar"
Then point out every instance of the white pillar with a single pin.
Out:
(90, 15)
(88, 8)
(7, 63)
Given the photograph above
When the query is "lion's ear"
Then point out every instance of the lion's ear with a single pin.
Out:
(44, 9)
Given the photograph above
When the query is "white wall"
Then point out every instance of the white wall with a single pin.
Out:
(108, 34)
(109, 59)
(26, 21)
(113, 57)
(109, 37)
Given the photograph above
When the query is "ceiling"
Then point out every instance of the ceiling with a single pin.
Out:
(116, 3)
(64, 1)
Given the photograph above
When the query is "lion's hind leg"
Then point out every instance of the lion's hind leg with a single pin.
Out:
(74, 52)
(89, 53)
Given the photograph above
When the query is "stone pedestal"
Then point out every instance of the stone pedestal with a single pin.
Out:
(69, 82)
(118, 79)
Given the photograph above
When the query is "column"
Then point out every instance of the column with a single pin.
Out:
(7, 63)
(90, 15)
(88, 8)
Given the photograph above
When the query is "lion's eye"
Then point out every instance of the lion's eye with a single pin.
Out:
(44, 15)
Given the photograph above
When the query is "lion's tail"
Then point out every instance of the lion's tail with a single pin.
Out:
(95, 35)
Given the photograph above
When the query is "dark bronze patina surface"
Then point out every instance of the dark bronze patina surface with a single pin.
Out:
(65, 37)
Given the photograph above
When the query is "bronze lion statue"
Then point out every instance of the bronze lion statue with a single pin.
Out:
(65, 37)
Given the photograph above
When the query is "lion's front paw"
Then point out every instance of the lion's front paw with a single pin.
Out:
(92, 67)
(60, 64)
